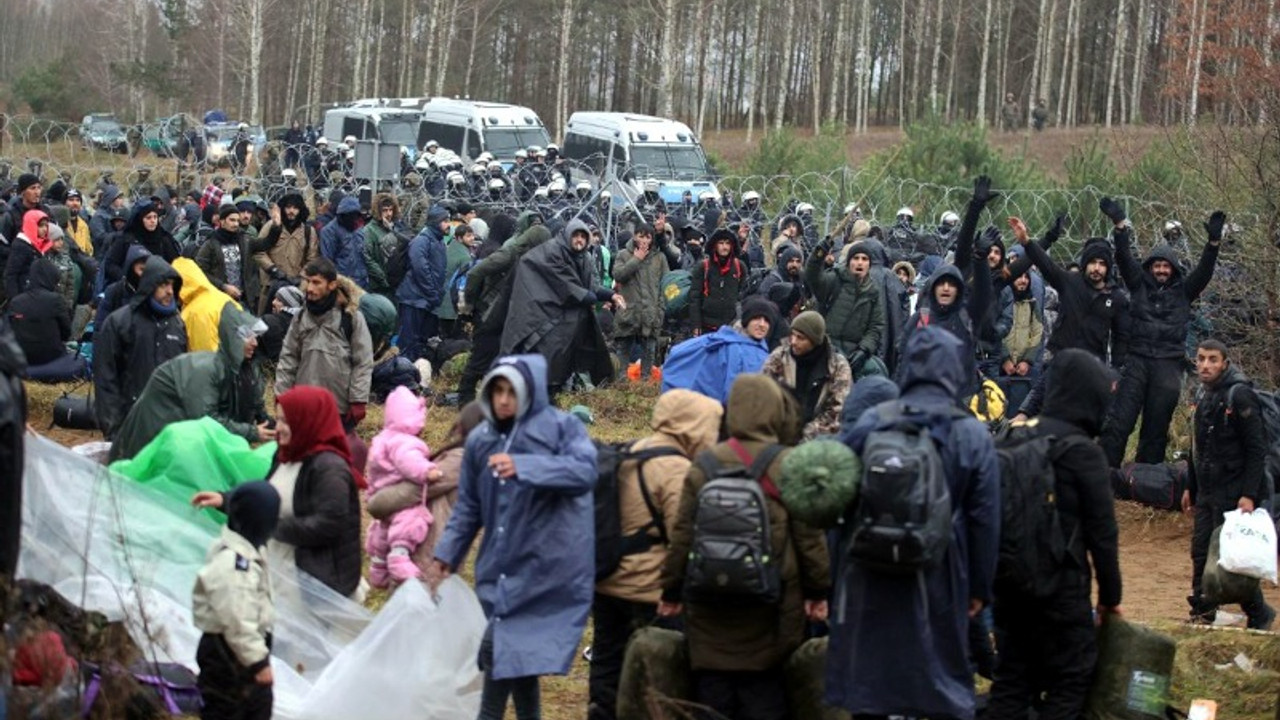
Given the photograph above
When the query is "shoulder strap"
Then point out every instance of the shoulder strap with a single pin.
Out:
(759, 467)
(655, 512)
(348, 326)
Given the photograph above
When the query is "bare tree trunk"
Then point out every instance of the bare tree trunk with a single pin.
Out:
(780, 107)
(1066, 64)
(952, 62)
(984, 64)
(1197, 38)
(757, 71)
(838, 63)
(900, 61)
(703, 25)
(937, 57)
(429, 54)
(667, 78)
(1073, 84)
(254, 11)
(442, 63)
(361, 47)
(295, 64)
(1139, 60)
(815, 46)
(1050, 52)
(1036, 67)
(562, 101)
(319, 41)
(1120, 26)
(917, 41)
(379, 42)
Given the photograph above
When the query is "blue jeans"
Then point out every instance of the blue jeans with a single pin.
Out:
(417, 326)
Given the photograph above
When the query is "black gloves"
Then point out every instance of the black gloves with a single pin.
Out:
(276, 273)
(982, 192)
(824, 247)
(1112, 209)
(990, 237)
(1214, 226)
(857, 360)
(1055, 233)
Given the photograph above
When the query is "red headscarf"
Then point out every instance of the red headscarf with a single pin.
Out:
(314, 427)
(31, 228)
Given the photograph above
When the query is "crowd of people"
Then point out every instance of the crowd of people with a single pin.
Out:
(767, 333)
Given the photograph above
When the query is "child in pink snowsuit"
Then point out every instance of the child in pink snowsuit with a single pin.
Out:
(398, 455)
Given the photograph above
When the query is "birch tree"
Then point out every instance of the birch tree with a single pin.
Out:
(562, 98)
(984, 64)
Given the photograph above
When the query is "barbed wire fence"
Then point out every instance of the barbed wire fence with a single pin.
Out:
(1241, 305)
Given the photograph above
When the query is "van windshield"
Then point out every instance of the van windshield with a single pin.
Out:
(399, 131)
(669, 162)
(504, 142)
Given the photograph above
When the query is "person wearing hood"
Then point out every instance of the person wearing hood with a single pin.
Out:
(100, 224)
(13, 219)
(788, 268)
(233, 606)
(816, 372)
(225, 385)
(881, 622)
(143, 228)
(227, 259)
(488, 295)
(1160, 300)
(285, 245)
(41, 324)
(527, 476)
(1093, 315)
(552, 310)
(342, 241)
(134, 341)
(423, 287)
(202, 306)
(736, 651)
(1047, 647)
(32, 244)
(638, 272)
(684, 424)
(1227, 469)
(285, 306)
(460, 246)
(379, 236)
(119, 292)
(716, 283)
(854, 303)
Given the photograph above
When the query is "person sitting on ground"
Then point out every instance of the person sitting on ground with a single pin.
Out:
(31, 244)
(526, 481)
(399, 457)
(817, 374)
(41, 324)
(709, 364)
(233, 606)
(225, 385)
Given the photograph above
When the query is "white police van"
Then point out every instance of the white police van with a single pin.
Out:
(398, 126)
(471, 127)
(625, 149)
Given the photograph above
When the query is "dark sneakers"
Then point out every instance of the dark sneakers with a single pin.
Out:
(1202, 613)
(1263, 619)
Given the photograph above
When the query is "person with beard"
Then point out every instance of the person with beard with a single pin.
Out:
(232, 606)
(421, 290)
(639, 271)
(1093, 315)
(716, 283)
(552, 310)
(227, 261)
(134, 341)
(854, 303)
(119, 292)
(225, 385)
(816, 373)
(1023, 345)
(379, 241)
(342, 241)
(142, 229)
(788, 268)
(1227, 469)
(1047, 646)
(328, 345)
(284, 247)
(78, 227)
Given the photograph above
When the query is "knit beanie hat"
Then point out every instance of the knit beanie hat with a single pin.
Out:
(858, 248)
(1096, 249)
(756, 306)
(26, 180)
(811, 325)
(291, 297)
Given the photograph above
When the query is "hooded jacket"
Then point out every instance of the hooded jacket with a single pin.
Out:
(751, 637)
(716, 285)
(423, 285)
(829, 382)
(220, 385)
(27, 247)
(158, 242)
(100, 223)
(345, 247)
(39, 317)
(640, 284)
(233, 595)
(119, 292)
(1228, 459)
(957, 319)
(882, 623)
(378, 243)
(535, 569)
(552, 310)
(1161, 313)
(280, 246)
(689, 423)
(132, 343)
(855, 315)
(202, 304)
(1088, 318)
(458, 259)
(318, 352)
(489, 283)
(397, 454)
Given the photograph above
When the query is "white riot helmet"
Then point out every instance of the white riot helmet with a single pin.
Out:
(455, 178)
(322, 140)
(479, 169)
(522, 154)
(423, 163)
(431, 146)
(553, 146)
(497, 185)
(706, 196)
(852, 209)
(750, 195)
(1172, 230)
(540, 193)
(606, 195)
(949, 219)
(651, 185)
(583, 188)
(906, 212)
(485, 157)
(556, 187)
(803, 208)
(289, 173)
(350, 140)
(495, 165)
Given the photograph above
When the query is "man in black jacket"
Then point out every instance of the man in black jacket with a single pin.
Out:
(1160, 303)
(1092, 316)
(135, 340)
(1047, 645)
(1227, 470)
(41, 323)
(716, 283)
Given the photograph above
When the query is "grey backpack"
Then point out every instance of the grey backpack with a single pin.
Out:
(902, 521)
(732, 559)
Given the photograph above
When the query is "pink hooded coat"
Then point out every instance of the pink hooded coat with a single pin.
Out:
(398, 455)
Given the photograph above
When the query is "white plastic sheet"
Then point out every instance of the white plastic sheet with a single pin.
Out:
(114, 546)
(416, 661)
(1249, 544)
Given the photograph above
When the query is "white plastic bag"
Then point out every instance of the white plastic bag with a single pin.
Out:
(415, 661)
(1249, 544)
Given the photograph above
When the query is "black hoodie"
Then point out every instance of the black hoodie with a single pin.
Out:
(1076, 402)
(39, 316)
(716, 285)
(253, 511)
(157, 242)
(1161, 313)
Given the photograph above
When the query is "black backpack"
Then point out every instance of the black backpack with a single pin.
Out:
(732, 558)
(611, 545)
(1269, 404)
(751, 285)
(1032, 547)
(396, 262)
(902, 522)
